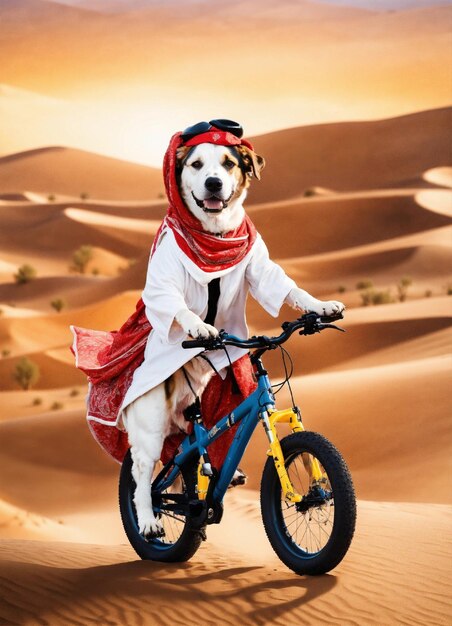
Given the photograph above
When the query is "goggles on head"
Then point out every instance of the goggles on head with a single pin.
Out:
(226, 126)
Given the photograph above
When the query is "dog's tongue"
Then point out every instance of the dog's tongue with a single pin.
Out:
(213, 204)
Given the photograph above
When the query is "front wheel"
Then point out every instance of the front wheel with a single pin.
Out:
(311, 536)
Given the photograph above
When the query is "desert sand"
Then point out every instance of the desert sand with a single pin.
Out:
(357, 188)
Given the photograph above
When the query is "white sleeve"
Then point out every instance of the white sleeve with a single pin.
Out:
(268, 282)
(163, 294)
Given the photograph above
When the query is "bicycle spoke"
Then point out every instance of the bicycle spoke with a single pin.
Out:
(309, 528)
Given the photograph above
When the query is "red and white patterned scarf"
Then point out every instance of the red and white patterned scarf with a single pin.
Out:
(209, 252)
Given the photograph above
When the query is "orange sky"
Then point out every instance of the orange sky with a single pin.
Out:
(122, 84)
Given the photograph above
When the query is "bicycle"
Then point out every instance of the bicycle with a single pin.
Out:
(307, 497)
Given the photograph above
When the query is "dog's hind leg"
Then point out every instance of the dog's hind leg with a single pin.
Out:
(146, 423)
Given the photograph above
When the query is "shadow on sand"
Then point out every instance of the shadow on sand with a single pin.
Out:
(260, 595)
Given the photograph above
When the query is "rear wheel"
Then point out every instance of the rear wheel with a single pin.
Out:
(312, 536)
(181, 539)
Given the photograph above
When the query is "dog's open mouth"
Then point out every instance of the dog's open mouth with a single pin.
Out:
(212, 204)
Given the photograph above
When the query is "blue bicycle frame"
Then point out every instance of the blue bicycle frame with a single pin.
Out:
(247, 414)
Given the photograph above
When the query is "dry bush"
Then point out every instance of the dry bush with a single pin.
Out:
(26, 373)
(58, 304)
(80, 259)
(402, 288)
(25, 274)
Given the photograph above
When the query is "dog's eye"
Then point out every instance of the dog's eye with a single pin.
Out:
(228, 164)
(197, 164)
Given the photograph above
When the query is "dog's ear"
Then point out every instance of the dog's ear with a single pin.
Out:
(181, 155)
(253, 163)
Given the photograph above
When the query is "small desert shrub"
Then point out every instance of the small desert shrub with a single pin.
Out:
(402, 288)
(84, 195)
(56, 406)
(428, 293)
(37, 401)
(74, 392)
(364, 284)
(5, 352)
(80, 259)
(342, 289)
(58, 304)
(381, 297)
(1, 312)
(365, 287)
(26, 373)
(374, 297)
(160, 195)
(95, 271)
(366, 297)
(25, 274)
(449, 291)
(309, 192)
(51, 197)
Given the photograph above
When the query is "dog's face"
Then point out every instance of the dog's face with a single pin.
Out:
(213, 182)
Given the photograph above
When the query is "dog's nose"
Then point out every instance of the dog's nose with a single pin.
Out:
(213, 184)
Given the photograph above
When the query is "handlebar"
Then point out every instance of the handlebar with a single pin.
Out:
(307, 324)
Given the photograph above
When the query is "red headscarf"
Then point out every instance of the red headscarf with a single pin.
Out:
(209, 252)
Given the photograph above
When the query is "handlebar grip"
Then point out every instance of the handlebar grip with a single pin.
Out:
(195, 343)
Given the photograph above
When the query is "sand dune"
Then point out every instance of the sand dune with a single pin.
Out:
(77, 289)
(377, 335)
(387, 153)
(41, 291)
(324, 224)
(113, 221)
(64, 472)
(52, 372)
(18, 523)
(17, 403)
(57, 170)
(49, 235)
(426, 262)
(436, 200)
(53, 331)
(428, 266)
(441, 176)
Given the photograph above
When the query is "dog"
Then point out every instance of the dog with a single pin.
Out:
(213, 181)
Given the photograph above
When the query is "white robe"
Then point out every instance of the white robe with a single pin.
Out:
(174, 282)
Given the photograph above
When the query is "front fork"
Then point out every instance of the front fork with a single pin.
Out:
(270, 418)
(292, 417)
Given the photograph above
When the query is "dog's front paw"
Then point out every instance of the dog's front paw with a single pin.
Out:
(152, 529)
(300, 299)
(330, 307)
(194, 326)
